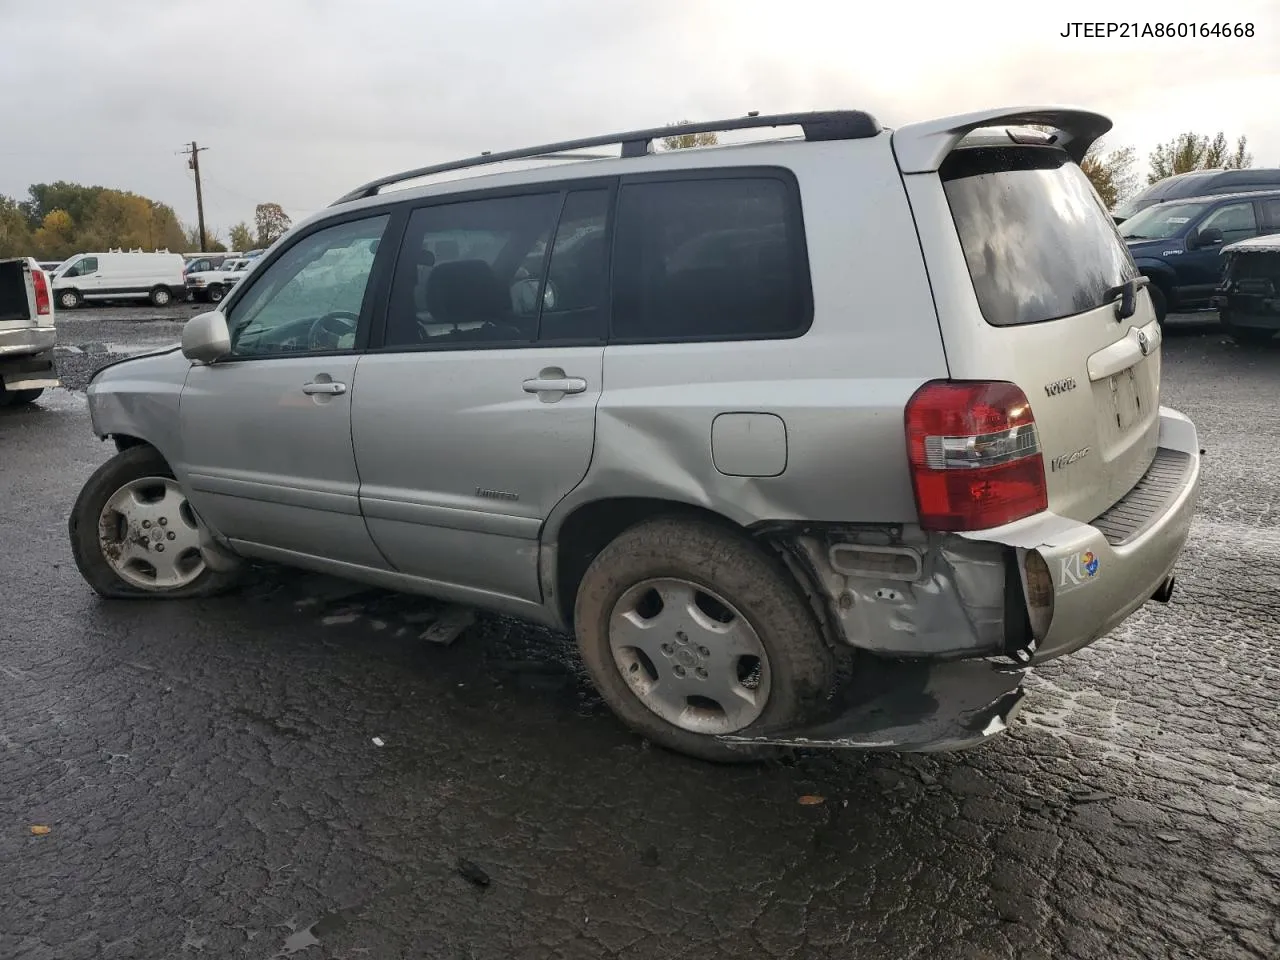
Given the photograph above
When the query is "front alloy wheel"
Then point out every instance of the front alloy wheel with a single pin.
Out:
(133, 533)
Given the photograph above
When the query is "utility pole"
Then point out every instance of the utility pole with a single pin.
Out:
(194, 163)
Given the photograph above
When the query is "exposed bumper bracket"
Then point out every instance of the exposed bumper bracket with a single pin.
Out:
(912, 706)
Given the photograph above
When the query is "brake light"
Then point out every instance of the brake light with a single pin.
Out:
(974, 454)
(41, 284)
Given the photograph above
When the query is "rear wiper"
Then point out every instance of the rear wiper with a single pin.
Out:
(1128, 294)
(1134, 236)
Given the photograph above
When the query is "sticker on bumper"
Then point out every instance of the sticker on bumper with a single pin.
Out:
(1077, 570)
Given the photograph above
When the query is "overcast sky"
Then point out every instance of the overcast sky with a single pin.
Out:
(300, 101)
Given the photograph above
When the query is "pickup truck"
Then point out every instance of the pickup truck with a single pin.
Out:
(211, 286)
(27, 336)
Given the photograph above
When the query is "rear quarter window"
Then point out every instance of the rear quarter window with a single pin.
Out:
(710, 258)
(1038, 242)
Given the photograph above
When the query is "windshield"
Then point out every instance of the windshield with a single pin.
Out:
(1162, 221)
(1038, 243)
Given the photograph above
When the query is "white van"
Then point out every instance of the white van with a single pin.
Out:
(117, 275)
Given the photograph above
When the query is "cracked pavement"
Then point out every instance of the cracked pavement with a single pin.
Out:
(212, 787)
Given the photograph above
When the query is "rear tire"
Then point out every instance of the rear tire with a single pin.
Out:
(69, 299)
(160, 297)
(113, 547)
(753, 600)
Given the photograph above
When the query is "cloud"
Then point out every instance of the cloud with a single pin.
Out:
(298, 102)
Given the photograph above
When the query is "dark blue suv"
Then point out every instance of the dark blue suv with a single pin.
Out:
(1177, 244)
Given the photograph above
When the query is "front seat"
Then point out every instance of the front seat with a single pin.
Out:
(468, 291)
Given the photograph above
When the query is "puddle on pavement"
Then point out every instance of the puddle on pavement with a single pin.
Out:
(329, 924)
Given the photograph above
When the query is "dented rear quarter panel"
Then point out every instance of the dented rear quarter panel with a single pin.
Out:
(840, 388)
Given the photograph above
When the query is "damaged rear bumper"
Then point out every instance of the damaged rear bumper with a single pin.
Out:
(928, 623)
(1081, 580)
(912, 706)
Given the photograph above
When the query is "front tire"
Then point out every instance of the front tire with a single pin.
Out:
(160, 297)
(1159, 301)
(215, 293)
(134, 535)
(690, 630)
(69, 299)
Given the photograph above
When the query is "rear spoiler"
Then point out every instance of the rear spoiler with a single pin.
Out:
(921, 147)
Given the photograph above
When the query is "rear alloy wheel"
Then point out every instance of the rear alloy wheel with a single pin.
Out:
(133, 533)
(161, 297)
(690, 631)
(69, 299)
(215, 293)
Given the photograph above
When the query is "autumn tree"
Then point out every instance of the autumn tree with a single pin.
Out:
(55, 238)
(15, 232)
(271, 223)
(212, 239)
(1110, 172)
(683, 141)
(241, 237)
(43, 198)
(1192, 151)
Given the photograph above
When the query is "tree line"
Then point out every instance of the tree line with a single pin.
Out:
(57, 220)
(1114, 177)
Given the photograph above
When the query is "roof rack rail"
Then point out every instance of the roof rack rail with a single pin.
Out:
(818, 125)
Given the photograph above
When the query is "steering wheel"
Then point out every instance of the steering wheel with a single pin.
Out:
(327, 331)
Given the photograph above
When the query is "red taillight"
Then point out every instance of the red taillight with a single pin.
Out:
(975, 455)
(41, 284)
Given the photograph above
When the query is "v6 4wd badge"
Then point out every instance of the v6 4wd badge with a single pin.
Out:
(1077, 569)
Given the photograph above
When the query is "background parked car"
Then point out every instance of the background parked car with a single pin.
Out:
(1248, 300)
(1178, 244)
(208, 261)
(211, 286)
(120, 275)
(1198, 183)
(27, 334)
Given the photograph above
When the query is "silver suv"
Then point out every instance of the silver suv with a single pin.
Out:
(823, 440)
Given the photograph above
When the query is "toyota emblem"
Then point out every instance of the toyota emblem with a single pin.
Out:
(1143, 343)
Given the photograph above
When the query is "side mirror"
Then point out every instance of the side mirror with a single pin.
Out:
(205, 338)
(1209, 237)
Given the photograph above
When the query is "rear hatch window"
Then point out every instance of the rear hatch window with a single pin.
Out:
(1038, 242)
(1046, 259)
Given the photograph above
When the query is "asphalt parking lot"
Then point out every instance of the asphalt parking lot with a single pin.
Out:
(212, 787)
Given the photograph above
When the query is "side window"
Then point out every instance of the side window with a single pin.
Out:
(574, 302)
(1271, 215)
(309, 299)
(72, 271)
(709, 259)
(471, 272)
(1235, 220)
(87, 266)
